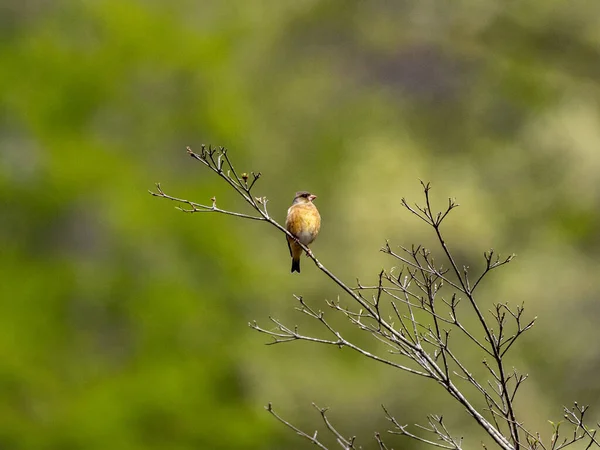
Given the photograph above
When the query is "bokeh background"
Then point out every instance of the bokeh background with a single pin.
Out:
(124, 322)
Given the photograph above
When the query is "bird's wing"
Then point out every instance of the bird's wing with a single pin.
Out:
(290, 226)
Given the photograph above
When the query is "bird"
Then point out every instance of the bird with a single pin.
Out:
(303, 222)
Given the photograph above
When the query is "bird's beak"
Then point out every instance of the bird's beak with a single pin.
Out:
(311, 197)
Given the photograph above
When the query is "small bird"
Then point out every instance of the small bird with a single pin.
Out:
(304, 222)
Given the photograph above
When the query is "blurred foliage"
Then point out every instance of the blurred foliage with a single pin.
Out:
(123, 322)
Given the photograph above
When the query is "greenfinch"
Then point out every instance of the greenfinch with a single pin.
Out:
(303, 222)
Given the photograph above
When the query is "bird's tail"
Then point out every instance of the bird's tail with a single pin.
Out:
(296, 253)
(295, 265)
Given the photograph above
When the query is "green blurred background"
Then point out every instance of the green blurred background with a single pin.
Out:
(124, 322)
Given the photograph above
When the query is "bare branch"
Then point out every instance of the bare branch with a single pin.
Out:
(198, 208)
(440, 431)
(346, 443)
(312, 438)
(416, 291)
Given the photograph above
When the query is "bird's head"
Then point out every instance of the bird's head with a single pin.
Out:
(304, 197)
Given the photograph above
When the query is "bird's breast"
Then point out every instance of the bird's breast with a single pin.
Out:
(303, 222)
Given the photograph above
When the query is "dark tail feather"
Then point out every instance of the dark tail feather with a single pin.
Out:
(296, 265)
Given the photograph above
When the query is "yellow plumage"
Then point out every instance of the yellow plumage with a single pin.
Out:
(304, 222)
